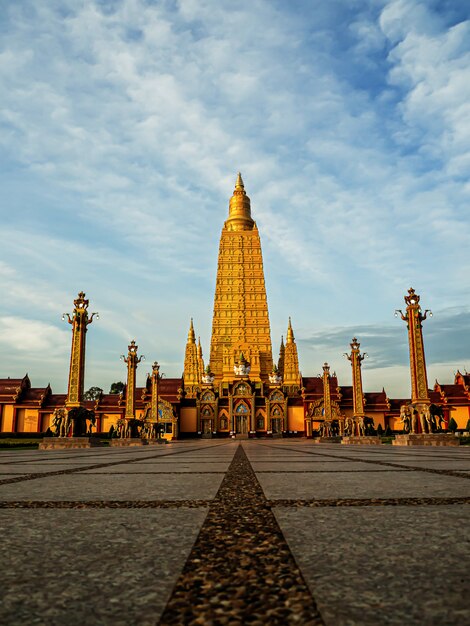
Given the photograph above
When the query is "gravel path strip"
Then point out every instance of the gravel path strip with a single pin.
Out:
(240, 570)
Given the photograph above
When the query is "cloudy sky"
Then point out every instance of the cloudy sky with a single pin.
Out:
(123, 124)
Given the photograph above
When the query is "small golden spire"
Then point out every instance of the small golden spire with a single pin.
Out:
(290, 333)
(199, 348)
(239, 184)
(191, 333)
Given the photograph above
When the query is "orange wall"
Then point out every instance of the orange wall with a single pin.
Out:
(295, 418)
(7, 418)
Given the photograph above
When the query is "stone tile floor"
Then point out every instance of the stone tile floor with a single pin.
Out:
(227, 532)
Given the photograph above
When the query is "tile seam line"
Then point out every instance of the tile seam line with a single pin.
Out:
(103, 504)
(76, 470)
(367, 502)
(103, 452)
(370, 461)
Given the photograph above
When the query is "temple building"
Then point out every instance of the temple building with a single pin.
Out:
(242, 391)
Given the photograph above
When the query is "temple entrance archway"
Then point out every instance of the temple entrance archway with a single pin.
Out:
(206, 428)
(241, 425)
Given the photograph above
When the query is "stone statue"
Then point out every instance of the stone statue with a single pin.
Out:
(79, 416)
(437, 412)
(361, 426)
(61, 423)
(428, 418)
(405, 418)
(243, 367)
(349, 427)
(414, 419)
(121, 427)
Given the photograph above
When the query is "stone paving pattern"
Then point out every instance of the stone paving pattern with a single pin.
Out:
(227, 532)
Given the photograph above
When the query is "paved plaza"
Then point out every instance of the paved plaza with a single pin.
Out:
(236, 532)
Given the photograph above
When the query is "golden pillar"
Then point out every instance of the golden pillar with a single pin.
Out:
(414, 318)
(79, 321)
(356, 359)
(154, 400)
(132, 360)
(327, 414)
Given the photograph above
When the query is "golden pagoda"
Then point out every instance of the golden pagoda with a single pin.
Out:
(240, 325)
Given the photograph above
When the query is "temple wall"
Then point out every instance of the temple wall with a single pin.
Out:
(46, 421)
(7, 418)
(188, 419)
(379, 418)
(108, 420)
(461, 415)
(295, 418)
(27, 420)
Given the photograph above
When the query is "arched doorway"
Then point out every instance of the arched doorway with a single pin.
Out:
(241, 418)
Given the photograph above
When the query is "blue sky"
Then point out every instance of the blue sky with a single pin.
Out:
(122, 127)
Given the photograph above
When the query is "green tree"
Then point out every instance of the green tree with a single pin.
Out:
(117, 387)
(93, 393)
(380, 430)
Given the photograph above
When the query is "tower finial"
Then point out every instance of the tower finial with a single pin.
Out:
(290, 333)
(239, 184)
(191, 333)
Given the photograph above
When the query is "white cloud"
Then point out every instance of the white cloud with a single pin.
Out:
(123, 127)
(32, 337)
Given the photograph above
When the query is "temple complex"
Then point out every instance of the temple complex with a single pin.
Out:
(241, 392)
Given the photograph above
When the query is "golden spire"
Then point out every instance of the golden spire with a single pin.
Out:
(239, 208)
(280, 363)
(291, 373)
(290, 333)
(200, 360)
(191, 373)
(191, 333)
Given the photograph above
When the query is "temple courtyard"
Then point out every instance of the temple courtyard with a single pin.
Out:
(236, 532)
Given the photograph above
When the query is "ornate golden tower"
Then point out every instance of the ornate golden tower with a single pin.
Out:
(241, 322)
(192, 376)
(327, 415)
(414, 318)
(291, 373)
(79, 321)
(132, 361)
(356, 359)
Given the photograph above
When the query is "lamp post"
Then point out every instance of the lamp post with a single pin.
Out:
(132, 360)
(154, 404)
(79, 321)
(356, 359)
(414, 319)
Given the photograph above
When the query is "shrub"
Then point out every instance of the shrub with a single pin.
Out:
(452, 425)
